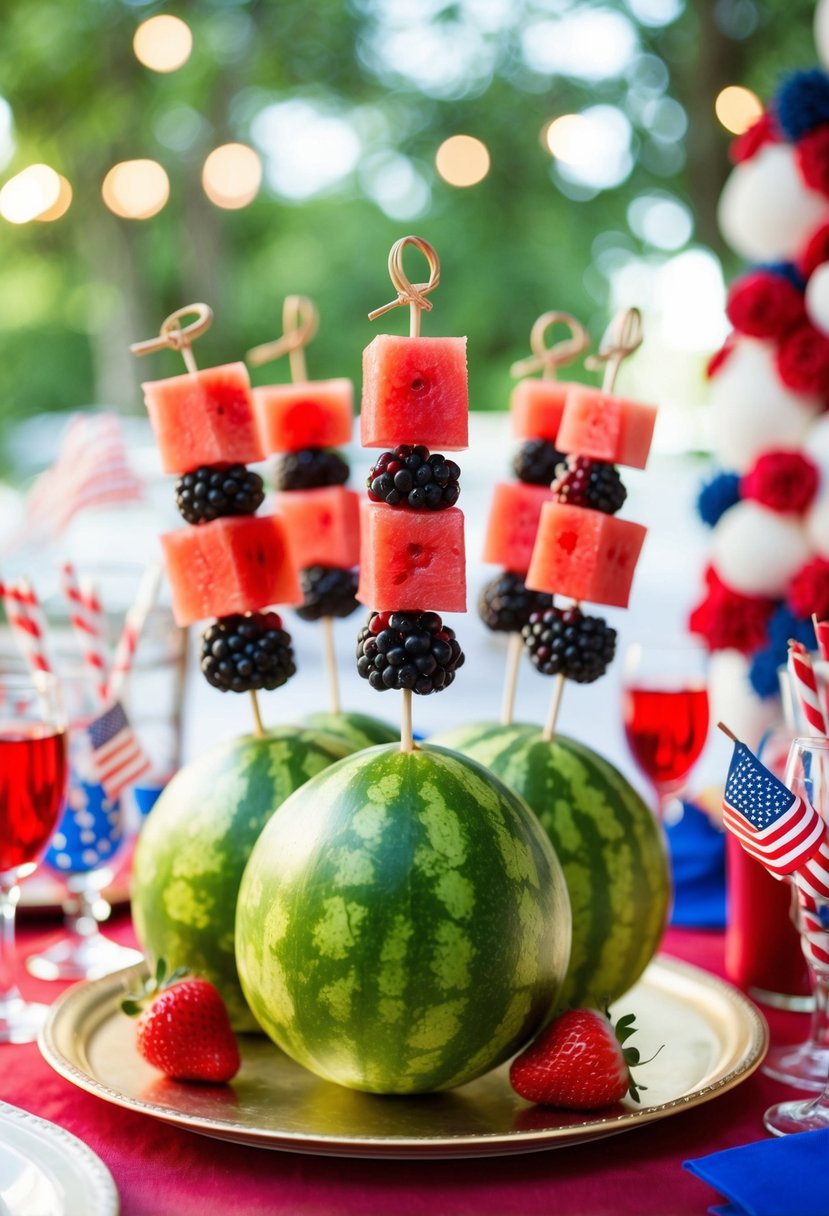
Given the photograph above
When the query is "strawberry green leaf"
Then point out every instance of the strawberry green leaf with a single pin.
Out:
(160, 971)
(131, 1008)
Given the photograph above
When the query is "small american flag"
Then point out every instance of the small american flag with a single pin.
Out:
(116, 751)
(780, 829)
(813, 877)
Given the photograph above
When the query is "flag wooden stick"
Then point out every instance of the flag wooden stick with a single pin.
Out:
(514, 651)
(722, 726)
(258, 729)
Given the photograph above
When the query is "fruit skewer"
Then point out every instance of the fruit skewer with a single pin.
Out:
(230, 564)
(303, 422)
(581, 550)
(412, 556)
(505, 604)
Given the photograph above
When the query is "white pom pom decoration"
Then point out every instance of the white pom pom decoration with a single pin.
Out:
(735, 702)
(817, 298)
(816, 446)
(817, 522)
(766, 212)
(821, 29)
(752, 410)
(757, 551)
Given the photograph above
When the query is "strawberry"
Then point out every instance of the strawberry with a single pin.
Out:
(578, 1062)
(185, 1030)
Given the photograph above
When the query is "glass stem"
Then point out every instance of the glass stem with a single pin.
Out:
(81, 920)
(819, 1024)
(9, 895)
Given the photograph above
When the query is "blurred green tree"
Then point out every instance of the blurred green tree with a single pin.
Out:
(361, 94)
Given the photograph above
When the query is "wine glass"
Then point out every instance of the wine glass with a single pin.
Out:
(86, 843)
(807, 775)
(33, 767)
(665, 712)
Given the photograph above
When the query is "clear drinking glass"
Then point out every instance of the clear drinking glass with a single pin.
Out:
(33, 768)
(807, 775)
(665, 711)
(89, 836)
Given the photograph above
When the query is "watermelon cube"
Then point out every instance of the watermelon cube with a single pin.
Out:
(412, 560)
(585, 554)
(605, 427)
(415, 391)
(235, 564)
(513, 523)
(323, 526)
(536, 407)
(314, 414)
(204, 417)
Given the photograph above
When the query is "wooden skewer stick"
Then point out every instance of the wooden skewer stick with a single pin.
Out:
(300, 322)
(258, 728)
(174, 336)
(623, 338)
(514, 651)
(548, 359)
(406, 736)
(413, 294)
(331, 664)
(555, 705)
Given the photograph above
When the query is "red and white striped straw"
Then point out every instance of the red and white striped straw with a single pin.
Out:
(26, 622)
(86, 616)
(804, 682)
(134, 622)
(822, 635)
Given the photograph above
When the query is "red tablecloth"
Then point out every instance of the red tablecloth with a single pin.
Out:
(162, 1171)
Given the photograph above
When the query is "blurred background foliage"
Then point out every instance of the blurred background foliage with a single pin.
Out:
(347, 103)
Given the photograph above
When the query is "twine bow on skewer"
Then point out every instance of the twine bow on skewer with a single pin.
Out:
(413, 294)
(300, 322)
(174, 336)
(623, 337)
(548, 359)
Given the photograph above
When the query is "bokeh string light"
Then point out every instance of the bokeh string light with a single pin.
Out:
(136, 189)
(30, 194)
(462, 160)
(163, 43)
(231, 176)
(737, 108)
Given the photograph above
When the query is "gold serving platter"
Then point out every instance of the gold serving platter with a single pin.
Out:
(713, 1039)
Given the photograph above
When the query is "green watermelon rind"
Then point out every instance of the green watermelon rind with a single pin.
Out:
(196, 842)
(610, 845)
(357, 730)
(403, 924)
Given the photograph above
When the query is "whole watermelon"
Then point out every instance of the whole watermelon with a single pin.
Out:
(403, 924)
(195, 843)
(356, 730)
(609, 843)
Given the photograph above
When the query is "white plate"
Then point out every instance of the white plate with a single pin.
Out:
(45, 1171)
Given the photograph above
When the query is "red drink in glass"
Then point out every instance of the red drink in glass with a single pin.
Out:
(32, 785)
(666, 731)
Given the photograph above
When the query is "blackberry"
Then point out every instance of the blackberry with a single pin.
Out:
(310, 469)
(412, 477)
(506, 604)
(213, 491)
(590, 483)
(563, 641)
(408, 650)
(327, 591)
(536, 462)
(240, 653)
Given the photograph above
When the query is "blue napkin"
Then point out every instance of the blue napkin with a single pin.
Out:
(697, 850)
(781, 1176)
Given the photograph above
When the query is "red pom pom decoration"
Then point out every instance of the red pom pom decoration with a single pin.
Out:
(816, 251)
(809, 590)
(782, 481)
(813, 159)
(727, 620)
(764, 305)
(719, 357)
(760, 133)
(803, 360)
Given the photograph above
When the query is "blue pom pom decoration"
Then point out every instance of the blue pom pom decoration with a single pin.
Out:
(763, 673)
(783, 625)
(802, 103)
(718, 496)
(785, 270)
